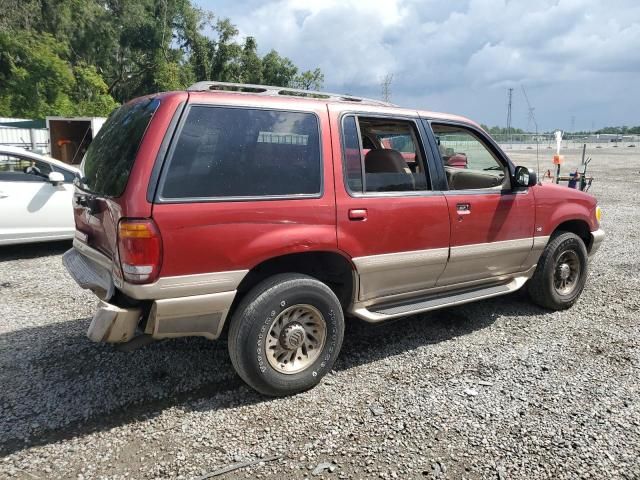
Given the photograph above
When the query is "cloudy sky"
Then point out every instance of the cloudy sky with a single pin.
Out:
(579, 60)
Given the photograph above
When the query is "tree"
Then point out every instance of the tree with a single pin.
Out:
(278, 71)
(84, 57)
(309, 80)
(34, 80)
(251, 63)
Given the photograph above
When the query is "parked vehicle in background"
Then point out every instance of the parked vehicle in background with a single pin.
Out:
(35, 197)
(277, 212)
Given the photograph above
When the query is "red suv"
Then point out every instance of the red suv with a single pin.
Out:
(278, 212)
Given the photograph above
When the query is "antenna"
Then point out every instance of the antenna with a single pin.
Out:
(532, 118)
(510, 94)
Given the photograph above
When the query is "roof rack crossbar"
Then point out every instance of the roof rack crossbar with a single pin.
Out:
(270, 90)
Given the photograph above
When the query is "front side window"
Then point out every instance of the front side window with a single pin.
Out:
(468, 162)
(15, 168)
(242, 152)
(382, 155)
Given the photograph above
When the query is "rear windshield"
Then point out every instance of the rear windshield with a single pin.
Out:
(111, 155)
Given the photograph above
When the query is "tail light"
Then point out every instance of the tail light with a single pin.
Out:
(140, 250)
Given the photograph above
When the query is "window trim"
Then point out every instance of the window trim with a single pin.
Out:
(166, 164)
(490, 144)
(422, 145)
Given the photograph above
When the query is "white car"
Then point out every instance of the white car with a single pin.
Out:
(35, 197)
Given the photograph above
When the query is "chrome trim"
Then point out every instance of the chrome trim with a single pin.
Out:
(460, 297)
(112, 324)
(401, 272)
(159, 198)
(169, 287)
(400, 297)
(539, 244)
(596, 240)
(484, 250)
(485, 260)
(92, 254)
(186, 285)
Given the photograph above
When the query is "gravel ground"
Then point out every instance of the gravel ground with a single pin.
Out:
(496, 389)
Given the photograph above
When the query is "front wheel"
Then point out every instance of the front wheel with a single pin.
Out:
(561, 273)
(286, 334)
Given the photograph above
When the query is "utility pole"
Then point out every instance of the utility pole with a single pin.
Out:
(532, 118)
(510, 94)
(386, 87)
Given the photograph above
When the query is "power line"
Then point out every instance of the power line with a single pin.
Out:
(532, 118)
(386, 87)
(510, 94)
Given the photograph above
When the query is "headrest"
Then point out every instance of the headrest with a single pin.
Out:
(385, 161)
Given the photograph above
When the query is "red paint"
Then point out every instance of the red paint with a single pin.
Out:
(222, 236)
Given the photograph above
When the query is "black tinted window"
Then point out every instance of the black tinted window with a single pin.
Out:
(239, 152)
(111, 155)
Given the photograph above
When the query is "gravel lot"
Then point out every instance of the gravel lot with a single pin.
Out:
(496, 389)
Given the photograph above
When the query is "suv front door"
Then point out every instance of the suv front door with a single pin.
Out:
(492, 225)
(390, 220)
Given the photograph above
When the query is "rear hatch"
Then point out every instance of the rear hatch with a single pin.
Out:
(98, 201)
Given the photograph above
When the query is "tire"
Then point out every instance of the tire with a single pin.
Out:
(274, 306)
(565, 248)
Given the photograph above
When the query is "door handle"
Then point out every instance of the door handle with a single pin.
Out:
(3, 195)
(357, 214)
(463, 208)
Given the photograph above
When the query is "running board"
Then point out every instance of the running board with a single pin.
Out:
(387, 311)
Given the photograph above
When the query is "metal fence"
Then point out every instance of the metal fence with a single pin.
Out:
(28, 138)
(518, 140)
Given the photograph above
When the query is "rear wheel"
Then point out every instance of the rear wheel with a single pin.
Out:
(286, 334)
(561, 272)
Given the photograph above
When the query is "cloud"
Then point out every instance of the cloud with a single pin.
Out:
(461, 55)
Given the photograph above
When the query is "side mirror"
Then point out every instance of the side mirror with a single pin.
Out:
(525, 177)
(56, 178)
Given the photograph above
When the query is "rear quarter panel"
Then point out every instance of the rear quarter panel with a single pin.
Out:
(220, 235)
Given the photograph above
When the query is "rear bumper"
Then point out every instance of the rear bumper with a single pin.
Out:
(192, 305)
(596, 240)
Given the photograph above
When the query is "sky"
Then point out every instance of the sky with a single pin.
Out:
(578, 60)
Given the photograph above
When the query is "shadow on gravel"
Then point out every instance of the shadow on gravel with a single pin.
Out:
(33, 250)
(57, 385)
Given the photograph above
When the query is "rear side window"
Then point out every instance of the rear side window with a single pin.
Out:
(112, 153)
(241, 152)
(383, 155)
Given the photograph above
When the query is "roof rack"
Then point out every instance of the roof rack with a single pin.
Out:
(268, 90)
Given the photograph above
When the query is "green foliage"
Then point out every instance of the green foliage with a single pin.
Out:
(501, 130)
(84, 57)
(91, 93)
(309, 80)
(34, 80)
(278, 71)
(624, 130)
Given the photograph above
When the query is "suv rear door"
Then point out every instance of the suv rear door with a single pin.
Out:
(390, 220)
